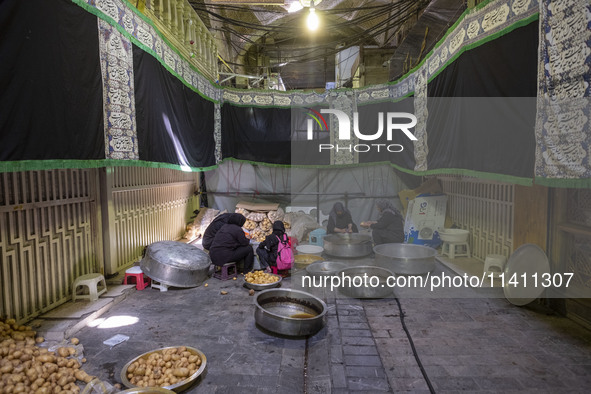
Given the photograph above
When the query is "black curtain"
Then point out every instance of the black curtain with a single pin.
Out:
(368, 124)
(174, 124)
(256, 134)
(50, 82)
(482, 108)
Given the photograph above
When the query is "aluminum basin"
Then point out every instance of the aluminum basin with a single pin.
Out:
(365, 282)
(289, 312)
(176, 264)
(453, 235)
(177, 387)
(325, 267)
(264, 286)
(408, 259)
(348, 245)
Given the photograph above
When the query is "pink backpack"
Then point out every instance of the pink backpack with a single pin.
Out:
(285, 257)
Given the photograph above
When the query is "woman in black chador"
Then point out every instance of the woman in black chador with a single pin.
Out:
(340, 220)
(390, 227)
(231, 245)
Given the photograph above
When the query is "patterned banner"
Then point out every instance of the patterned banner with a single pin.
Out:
(421, 148)
(118, 94)
(562, 127)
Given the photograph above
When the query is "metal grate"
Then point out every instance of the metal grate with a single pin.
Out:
(149, 205)
(485, 209)
(47, 238)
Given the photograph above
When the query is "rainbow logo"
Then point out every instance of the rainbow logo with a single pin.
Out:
(318, 118)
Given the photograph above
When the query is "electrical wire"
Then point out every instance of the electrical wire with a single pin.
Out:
(414, 349)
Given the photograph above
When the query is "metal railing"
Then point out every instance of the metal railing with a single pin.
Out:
(181, 25)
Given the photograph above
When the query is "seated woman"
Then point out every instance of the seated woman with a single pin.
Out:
(390, 227)
(267, 250)
(231, 245)
(211, 230)
(340, 220)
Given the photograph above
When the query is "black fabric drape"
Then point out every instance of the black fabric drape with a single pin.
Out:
(50, 82)
(482, 108)
(174, 124)
(256, 134)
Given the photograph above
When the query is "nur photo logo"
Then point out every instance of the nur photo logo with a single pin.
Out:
(392, 123)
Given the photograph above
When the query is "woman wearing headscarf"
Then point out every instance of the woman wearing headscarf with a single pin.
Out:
(231, 245)
(267, 250)
(216, 224)
(389, 228)
(340, 220)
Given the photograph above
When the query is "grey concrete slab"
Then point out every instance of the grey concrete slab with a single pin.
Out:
(468, 345)
(76, 310)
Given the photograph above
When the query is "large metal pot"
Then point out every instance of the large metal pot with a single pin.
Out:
(176, 264)
(365, 282)
(348, 245)
(289, 312)
(406, 259)
(177, 387)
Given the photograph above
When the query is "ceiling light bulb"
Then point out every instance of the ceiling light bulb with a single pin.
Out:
(313, 21)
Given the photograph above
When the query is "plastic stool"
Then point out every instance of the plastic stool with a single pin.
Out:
(283, 273)
(450, 249)
(137, 274)
(226, 271)
(91, 281)
(317, 237)
(159, 285)
(496, 262)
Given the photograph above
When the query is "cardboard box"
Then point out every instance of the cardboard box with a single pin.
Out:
(425, 217)
(257, 207)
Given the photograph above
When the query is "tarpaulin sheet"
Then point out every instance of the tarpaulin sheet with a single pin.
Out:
(174, 123)
(50, 82)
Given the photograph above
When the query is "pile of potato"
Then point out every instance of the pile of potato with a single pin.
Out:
(27, 368)
(164, 367)
(260, 278)
(260, 224)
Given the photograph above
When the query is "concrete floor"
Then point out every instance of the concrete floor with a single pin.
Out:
(465, 344)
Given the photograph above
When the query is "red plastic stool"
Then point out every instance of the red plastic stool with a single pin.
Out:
(226, 271)
(137, 274)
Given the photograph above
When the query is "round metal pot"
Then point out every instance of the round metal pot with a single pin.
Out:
(325, 267)
(408, 259)
(348, 245)
(264, 286)
(289, 312)
(177, 387)
(176, 264)
(365, 282)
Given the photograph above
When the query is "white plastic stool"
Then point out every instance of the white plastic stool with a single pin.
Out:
(91, 281)
(451, 249)
(494, 264)
(159, 285)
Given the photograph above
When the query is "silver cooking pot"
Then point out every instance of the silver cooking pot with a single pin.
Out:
(408, 259)
(348, 245)
(290, 312)
(176, 264)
